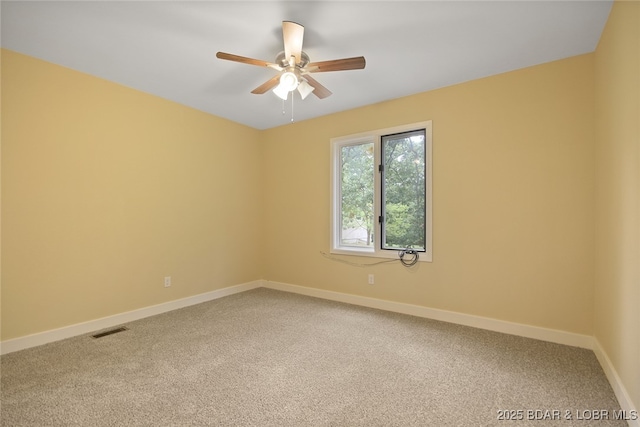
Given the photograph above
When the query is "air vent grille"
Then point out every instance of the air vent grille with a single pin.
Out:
(109, 332)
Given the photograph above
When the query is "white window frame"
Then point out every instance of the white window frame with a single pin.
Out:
(375, 136)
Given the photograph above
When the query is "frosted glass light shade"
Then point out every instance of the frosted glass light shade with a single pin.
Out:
(305, 89)
(288, 81)
(281, 92)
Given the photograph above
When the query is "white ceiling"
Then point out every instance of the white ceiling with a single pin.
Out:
(168, 48)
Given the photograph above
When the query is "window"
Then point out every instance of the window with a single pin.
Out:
(381, 192)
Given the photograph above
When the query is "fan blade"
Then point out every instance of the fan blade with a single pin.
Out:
(319, 90)
(245, 60)
(292, 34)
(264, 87)
(356, 63)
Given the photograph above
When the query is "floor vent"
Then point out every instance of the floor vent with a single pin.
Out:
(109, 332)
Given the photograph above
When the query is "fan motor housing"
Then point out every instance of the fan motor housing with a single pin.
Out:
(282, 61)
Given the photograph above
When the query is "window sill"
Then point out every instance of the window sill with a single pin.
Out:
(387, 254)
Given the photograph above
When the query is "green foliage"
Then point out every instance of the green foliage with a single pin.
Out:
(403, 227)
(404, 186)
(357, 188)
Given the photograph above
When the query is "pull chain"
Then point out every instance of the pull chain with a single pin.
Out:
(283, 106)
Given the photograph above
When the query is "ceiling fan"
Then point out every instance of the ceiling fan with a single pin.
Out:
(294, 66)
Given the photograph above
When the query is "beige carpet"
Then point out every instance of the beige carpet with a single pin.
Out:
(270, 358)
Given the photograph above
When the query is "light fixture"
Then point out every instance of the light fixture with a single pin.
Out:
(305, 89)
(281, 92)
(288, 83)
(290, 80)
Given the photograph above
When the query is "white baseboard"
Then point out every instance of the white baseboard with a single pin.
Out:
(551, 335)
(528, 331)
(21, 343)
(618, 387)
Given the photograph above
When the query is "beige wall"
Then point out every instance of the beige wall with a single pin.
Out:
(617, 285)
(512, 199)
(106, 190)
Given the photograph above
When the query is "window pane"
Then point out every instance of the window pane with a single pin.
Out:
(357, 175)
(403, 193)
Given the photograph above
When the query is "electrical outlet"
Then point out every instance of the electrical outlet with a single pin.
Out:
(371, 281)
(167, 281)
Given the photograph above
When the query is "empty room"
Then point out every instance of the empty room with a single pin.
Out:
(320, 213)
